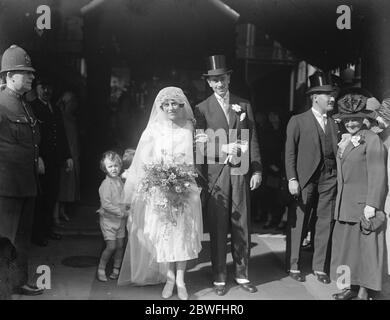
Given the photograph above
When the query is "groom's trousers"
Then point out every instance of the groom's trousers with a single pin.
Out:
(228, 208)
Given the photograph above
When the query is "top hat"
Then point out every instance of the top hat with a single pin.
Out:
(320, 83)
(352, 102)
(217, 66)
(16, 59)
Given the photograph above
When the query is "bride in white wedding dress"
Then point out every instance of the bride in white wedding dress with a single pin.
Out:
(157, 249)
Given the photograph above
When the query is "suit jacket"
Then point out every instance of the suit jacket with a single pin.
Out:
(19, 139)
(303, 146)
(209, 115)
(361, 178)
(54, 147)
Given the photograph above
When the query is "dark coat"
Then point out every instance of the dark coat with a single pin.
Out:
(361, 178)
(19, 139)
(209, 115)
(303, 148)
(54, 146)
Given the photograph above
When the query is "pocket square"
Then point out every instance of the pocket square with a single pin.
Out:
(242, 116)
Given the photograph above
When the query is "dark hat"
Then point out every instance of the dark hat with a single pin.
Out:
(217, 66)
(43, 79)
(320, 83)
(16, 59)
(373, 224)
(352, 102)
(384, 110)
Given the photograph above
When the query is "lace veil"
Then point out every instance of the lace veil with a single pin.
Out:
(144, 152)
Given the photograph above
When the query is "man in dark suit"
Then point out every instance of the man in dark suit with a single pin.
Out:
(311, 147)
(19, 138)
(233, 169)
(54, 151)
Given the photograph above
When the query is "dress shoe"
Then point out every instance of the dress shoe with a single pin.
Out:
(220, 290)
(358, 298)
(297, 276)
(248, 287)
(41, 242)
(54, 236)
(29, 290)
(168, 289)
(346, 294)
(182, 292)
(322, 277)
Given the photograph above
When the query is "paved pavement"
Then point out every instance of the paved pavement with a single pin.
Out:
(82, 242)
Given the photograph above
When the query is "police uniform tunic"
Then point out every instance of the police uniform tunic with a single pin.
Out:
(19, 140)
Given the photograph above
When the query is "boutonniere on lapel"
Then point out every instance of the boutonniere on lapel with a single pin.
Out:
(238, 109)
(357, 140)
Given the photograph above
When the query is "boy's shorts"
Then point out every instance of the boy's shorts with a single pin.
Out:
(113, 227)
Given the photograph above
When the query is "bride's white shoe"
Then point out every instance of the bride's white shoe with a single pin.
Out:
(182, 292)
(168, 289)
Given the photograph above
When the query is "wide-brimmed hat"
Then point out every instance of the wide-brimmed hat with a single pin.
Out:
(352, 103)
(16, 58)
(320, 83)
(217, 66)
(384, 110)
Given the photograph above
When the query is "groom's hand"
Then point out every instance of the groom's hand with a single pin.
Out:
(231, 148)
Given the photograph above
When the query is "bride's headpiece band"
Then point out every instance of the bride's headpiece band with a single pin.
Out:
(171, 93)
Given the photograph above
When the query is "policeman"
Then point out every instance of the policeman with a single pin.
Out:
(55, 153)
(19, 139)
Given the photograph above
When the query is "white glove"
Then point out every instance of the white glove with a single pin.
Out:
(231, 148)
(293, 187)
(369, 212)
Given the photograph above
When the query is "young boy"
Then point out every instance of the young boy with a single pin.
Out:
(113, 215)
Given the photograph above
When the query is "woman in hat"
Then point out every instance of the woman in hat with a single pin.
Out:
(357, 243)
(383, 119)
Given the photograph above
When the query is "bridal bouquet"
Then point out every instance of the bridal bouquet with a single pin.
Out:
(168, 182)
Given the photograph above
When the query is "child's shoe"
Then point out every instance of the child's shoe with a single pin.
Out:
(101, 275)
(114, 274)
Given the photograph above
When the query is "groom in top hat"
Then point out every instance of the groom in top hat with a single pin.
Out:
(311, 147)
(233, 168)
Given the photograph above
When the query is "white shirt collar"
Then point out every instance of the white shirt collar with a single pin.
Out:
(317, 114)
(224, 99)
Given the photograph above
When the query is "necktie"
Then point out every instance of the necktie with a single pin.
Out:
(324, 121)
(225, 108)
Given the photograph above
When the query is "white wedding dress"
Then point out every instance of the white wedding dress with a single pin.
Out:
(152, 240)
